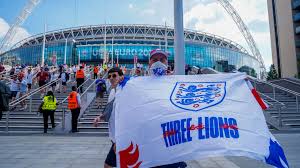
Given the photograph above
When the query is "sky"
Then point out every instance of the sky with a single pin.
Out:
(203, 15)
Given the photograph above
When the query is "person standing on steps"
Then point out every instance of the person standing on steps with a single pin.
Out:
(48, 108)
(74, 104)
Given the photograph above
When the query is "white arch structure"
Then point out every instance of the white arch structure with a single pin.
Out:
(245, 31)
(27, 10)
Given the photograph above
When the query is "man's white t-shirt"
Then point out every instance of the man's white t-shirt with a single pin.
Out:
(111, 122)
(63, 77)
(29, 78)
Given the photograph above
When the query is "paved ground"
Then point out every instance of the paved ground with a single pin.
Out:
(89, 152)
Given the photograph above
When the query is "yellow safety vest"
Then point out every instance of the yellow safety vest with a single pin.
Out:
(49, 104)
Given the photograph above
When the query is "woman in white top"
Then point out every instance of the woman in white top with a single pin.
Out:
(29, 78)
(54, 76)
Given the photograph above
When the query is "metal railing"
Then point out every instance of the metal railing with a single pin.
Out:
(84, 94)
(30, 94)
(65, 99)
(279, 106)
(274, 87)
(291, 81)
(24, 97)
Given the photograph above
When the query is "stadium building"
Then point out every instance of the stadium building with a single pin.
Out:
(125, 44)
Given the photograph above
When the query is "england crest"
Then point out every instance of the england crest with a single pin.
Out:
(196, 96)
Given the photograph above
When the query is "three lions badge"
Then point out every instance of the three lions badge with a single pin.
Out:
(196, 96)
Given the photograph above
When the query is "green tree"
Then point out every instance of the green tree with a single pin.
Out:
(272, 74)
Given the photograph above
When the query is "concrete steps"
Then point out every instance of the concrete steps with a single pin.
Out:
(25, 122)
(85, 124)
(289, 114)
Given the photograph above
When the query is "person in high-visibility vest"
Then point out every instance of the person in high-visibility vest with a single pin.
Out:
(105, 67)
(80, 78)
(96, 70)
(74, 103)
(48, 108)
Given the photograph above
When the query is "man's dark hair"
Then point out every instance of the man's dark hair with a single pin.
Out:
(112, 70)
(74, 88)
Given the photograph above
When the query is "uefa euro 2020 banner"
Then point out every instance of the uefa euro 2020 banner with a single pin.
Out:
(168, 119)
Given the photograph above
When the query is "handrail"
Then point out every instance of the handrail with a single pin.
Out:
(77, 88)
(277, 86)
(291, 81)
(16, 102)
(85, 92)
(37, 90)
(282, 104)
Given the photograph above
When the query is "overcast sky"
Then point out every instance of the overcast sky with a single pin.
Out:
(205, 15)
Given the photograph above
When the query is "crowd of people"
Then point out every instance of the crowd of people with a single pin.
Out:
(23, 79)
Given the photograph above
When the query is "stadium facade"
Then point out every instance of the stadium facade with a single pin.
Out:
(126, 43)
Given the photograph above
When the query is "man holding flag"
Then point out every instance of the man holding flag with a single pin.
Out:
(178, 118)
(158, 65)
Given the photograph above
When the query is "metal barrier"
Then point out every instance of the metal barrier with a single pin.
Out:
(274, 87)
(64, 100)
(279, 106)
(23, 98)
(30, 94)
(81, 96)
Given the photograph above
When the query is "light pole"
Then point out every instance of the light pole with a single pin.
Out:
(71, 60)
(43, 48)
(65, 56)
(179, 38)
(78, 57)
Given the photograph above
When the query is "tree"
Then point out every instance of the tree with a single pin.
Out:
(272, 74)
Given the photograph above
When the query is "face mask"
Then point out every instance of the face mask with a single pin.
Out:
(158, 69)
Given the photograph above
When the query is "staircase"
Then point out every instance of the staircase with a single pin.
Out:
(85, 124)
(31, 122)
(26, 122)
(285, 99)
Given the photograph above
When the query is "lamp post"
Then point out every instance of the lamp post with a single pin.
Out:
(65, 56)
(43, 48)
(179, 38)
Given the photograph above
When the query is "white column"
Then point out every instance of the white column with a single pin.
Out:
(112, 54)
(105, 55)
(118, 60)
(179, 38)
(166, 37)
(65, 56)
(79, 57)
(43, 49)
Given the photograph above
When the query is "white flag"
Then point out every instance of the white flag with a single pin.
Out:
(168, 119)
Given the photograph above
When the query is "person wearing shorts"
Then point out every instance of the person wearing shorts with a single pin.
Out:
(64, 76)
(29, 78)
(101, 88)
(43, 76)
(41, 83)
(14, 87)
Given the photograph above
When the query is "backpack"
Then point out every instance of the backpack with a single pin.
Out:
(67, 76)
(4, 96)
(103, 87)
